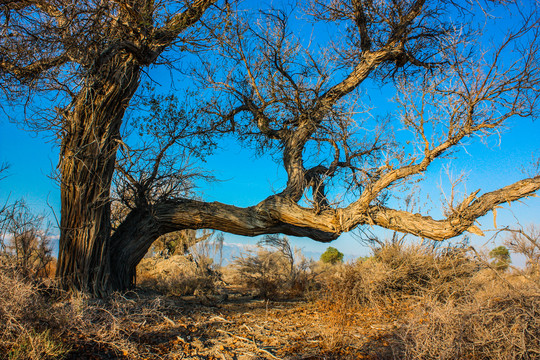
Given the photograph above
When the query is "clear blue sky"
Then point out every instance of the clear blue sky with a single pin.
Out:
(247, 180)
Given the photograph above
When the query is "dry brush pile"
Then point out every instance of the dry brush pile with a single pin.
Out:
(447, 305)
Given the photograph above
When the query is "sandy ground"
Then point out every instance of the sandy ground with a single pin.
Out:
(243, 328)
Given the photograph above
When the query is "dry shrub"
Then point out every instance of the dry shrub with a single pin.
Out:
(25, 241)
(178, 275)
(504, 326)
(455, 308)
(265, 272)
(24, 314)
(34, 325)
(111, 328)
(397, 272)
(274, 274)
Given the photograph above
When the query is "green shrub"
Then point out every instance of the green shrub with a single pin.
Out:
(501, 258)
(332, 256)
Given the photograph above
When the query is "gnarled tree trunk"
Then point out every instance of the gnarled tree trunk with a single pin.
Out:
(87, 167)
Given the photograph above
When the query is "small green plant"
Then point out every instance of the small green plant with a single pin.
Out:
(501, 257)
(37, 345)
(332, 256)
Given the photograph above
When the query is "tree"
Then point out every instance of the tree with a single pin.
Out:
(501, 257)
(90, 56)
(302, 106)
(298, 101)
(332, 256)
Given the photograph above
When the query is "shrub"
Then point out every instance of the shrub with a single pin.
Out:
(332, 256)
(526, 241)
(501, 258)
(265, 272)
(503, 326)
(396, 272)
(272, 274)
(178, 275)
(25, 244)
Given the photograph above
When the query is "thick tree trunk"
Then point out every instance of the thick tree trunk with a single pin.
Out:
(92, 131)
(129, 244)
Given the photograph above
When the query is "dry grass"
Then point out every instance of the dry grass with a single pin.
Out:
(437, 305)
(24, 332)
(403, 303)
(503, 325)
(396, 273)
(178, 275)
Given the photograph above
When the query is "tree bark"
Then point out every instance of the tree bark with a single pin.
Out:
(87, 165)
(89, 260)
(129, 244)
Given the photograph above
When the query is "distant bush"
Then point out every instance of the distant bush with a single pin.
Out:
(332, 256)
(501, 258)
(25, 243)
(265, 272)
(526, 241)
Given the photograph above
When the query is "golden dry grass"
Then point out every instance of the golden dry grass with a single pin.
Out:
(403, 303)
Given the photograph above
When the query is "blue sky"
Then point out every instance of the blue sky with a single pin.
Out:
(246, 180)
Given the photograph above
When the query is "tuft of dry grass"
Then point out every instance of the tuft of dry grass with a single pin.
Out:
(24, 332)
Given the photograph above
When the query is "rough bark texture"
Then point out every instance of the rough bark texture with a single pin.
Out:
(88, 259)
(87, 167)
(129, 244)
(280, 215)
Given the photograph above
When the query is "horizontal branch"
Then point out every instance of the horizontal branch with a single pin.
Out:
(272, 216)
(281, 215)
(35, 69)
(457, 223)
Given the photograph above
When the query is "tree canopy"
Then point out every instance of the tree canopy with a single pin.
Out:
(501, 257)
(332, 256)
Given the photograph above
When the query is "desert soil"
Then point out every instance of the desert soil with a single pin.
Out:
(243, 328)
